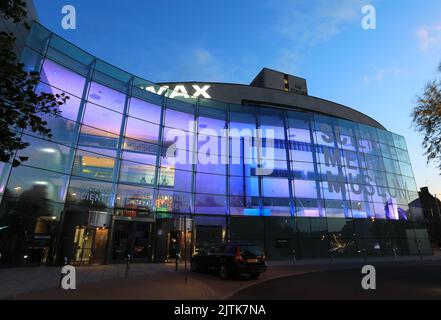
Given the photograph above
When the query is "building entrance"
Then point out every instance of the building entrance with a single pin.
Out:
(134, 238)
(89, 245)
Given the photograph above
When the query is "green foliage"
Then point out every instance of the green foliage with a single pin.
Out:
(426, 118)
(15, 10)
(20, 106)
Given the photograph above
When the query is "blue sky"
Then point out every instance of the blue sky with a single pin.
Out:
(378, 72)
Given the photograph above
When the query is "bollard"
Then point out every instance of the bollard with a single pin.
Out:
(294, 254)
(127, 266)
(417, 242)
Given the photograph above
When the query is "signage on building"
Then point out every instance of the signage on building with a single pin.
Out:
(187, 91)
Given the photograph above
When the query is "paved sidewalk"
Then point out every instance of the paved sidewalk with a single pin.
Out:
(158, 280)
(354, 260)
(14, 281)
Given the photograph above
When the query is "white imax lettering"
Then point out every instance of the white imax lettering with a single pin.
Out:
(181, 91)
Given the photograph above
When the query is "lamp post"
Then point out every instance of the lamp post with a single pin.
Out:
(185, 247)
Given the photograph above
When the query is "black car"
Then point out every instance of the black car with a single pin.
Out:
(230, 259)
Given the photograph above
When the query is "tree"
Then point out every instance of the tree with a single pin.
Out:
(20, 106)
(426, 118)
(15, 10)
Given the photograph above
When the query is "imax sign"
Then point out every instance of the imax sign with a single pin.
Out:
(181, 90)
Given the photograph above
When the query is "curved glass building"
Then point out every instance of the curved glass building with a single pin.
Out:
(135, 167)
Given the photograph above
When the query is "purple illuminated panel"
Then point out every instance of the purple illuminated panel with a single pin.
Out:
(179, 120)
(273, 187)
(144, 110)
(210, 183)
(68, 110)
(305, 189)
(62, 78)
(139, 157)
(106, 97)
(210, 126)
(299, 135)
(142, 130)
(102, 118)
(210, 204)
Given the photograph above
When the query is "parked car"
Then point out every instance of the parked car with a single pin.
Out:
(230, 259)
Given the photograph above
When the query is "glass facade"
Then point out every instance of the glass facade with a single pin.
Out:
(112, 179)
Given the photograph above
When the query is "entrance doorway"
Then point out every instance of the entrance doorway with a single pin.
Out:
(134, 238)
(90, 245)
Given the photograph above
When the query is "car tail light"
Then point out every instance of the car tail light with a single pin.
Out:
(238, 256)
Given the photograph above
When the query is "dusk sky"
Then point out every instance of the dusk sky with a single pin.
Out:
(378, 72)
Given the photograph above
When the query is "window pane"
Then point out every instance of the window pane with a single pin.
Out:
(140, 157)
(141, 130)
(62, 78)
(210, 183)
(137, 173)
(90, 193)
(273, 187)
(94, 165)
(144, 110)
(106, 97)
(102, 118)
(177, 179)
(241, 205)
(97, 138)
(33, 183)
(47, 155)
(179, 120)
(172, 201)
(210, 204)
(68, 110)
(306, 189)
(4, 174)
(134, 201)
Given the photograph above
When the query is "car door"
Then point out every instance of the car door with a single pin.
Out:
(201, 259)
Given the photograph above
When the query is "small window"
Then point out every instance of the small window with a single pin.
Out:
(285, 82)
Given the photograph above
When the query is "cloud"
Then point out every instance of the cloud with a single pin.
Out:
(286, 61)
(366, 80)
(380, 74)
(314, 21)
(429, 38)
(308, 23)
(199, 63)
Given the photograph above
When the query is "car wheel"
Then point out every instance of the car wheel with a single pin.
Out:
(254, 275)
(223, 272)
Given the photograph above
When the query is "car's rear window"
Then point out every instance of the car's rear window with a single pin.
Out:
(251, 251)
